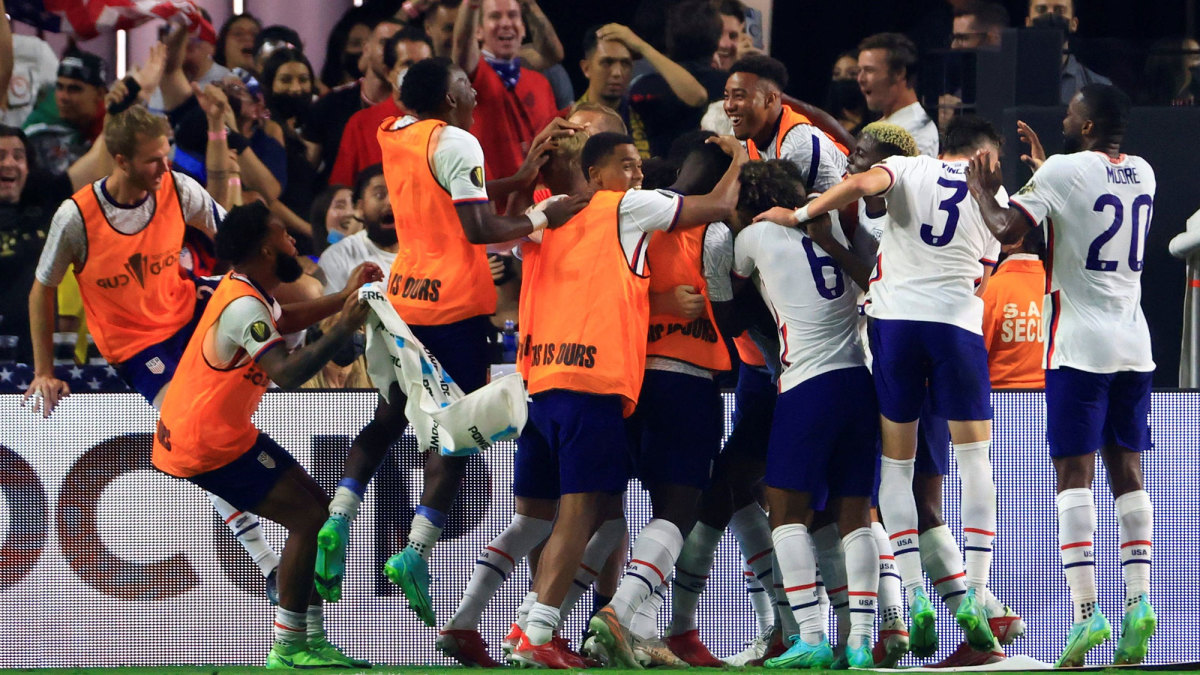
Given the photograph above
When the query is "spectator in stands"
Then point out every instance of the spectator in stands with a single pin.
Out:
(195, 56)
(692, 35)
(978, 23)
(608, 67)
(333, 217)
(272, 38)
(34, 65)
(735, 41)
(1171, 73)
(1060, 15)
(1012, 315)
(235, 42)
(335, 109)
(344, 50)
(61, 133)
(543, 51)
(359, 147)
(376, 242)
(845, 100)
(287, 81)
(887, 76)
(439, 26)
(513, 103)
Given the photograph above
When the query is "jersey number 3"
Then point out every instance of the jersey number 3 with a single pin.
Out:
(950, 206)
(1140, 231)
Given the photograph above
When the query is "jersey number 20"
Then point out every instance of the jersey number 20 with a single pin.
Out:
(1140, 230)
(950, 206)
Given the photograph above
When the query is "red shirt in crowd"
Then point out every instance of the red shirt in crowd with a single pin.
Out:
(359, 147)
(507, 120)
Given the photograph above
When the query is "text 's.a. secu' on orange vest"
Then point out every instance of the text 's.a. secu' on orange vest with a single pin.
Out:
(438, 277)
(585, 329)
(134, 293)
(676, 259)
(205, 420)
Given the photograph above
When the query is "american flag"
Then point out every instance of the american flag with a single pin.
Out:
(86, 19)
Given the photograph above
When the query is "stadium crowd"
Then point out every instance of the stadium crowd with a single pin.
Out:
(207, 220)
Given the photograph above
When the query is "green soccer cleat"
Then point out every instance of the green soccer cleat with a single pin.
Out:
(332, 541)
(1084, 636)
(972, 617)
(333, 656)
(860, 656)
(408, 570)
(803, 655)
(293, 657)
(609, 641)
(923, 639)
(1136, 629)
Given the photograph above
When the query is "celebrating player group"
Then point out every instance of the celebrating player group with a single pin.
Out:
(850, 283)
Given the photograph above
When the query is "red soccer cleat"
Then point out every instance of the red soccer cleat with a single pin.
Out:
(688, 647)
(550, 655)
(965, 655)
(565, 644)
(1007, 627)
(511, 640)
(467, 647)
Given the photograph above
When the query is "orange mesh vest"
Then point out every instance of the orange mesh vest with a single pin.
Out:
(438, 277)
(585, 329)
(749, 352)
(676, 259)
(205, 419)
(790, 119)
(134, 293)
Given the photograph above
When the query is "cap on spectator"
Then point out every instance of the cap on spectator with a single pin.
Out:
(83, 66)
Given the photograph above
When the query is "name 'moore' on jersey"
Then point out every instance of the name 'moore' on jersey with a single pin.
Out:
(811, 298)
(933, 244)
(1097, 212)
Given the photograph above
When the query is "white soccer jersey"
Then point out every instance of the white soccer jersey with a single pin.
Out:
(812, 299)
(1097, 212)
(932, 245)
(821, 163)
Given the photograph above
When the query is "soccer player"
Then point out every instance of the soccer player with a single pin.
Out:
(123, 234)
(771, 130)
(441, 285)
(1096, 203)
(205, 434)
(585, 375)
(926, 338)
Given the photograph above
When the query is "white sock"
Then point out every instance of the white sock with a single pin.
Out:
(762, 600)
(291, 628)
(822, 597)
(247, 529)
(978, 510)
(753, 533)
(494, 564)
(423, 534)
(1135, 519)
(798, 569)
(540, 625)
(314, 621)
(691, 576)
(891, 598)
(1076, 528)
(654, 553)
(645, 620)
(831, 566)
(899, 510)
(862, 576)
(345, 503)
(599, 547)
(939, 554)
(527, 604)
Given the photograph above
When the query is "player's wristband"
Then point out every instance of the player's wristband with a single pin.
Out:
(539, 220)
(801, 214)
(235, 181)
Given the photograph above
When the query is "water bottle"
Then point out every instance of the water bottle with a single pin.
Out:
(509, 342)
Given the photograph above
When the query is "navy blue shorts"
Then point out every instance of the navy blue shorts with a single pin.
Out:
(753, 408)
(247, 480)
(914, 359)
(151, 369)
(825, 437)
(462, 349)
(535, 466)
(1088, 411)
(587, 434)
(933, 443)
(675, 434)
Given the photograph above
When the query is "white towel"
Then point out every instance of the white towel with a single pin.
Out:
(443, 418)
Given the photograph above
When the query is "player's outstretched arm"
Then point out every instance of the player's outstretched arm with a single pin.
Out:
(290, 371)
(483, 226)
(865, 184)
(300, 315)
(983, 180)
(722, 201)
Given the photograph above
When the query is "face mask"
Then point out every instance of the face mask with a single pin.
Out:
(288, 106)
(1052, 20)
(350, 64)
(334, 237)
(400, 78)
(845, 95)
